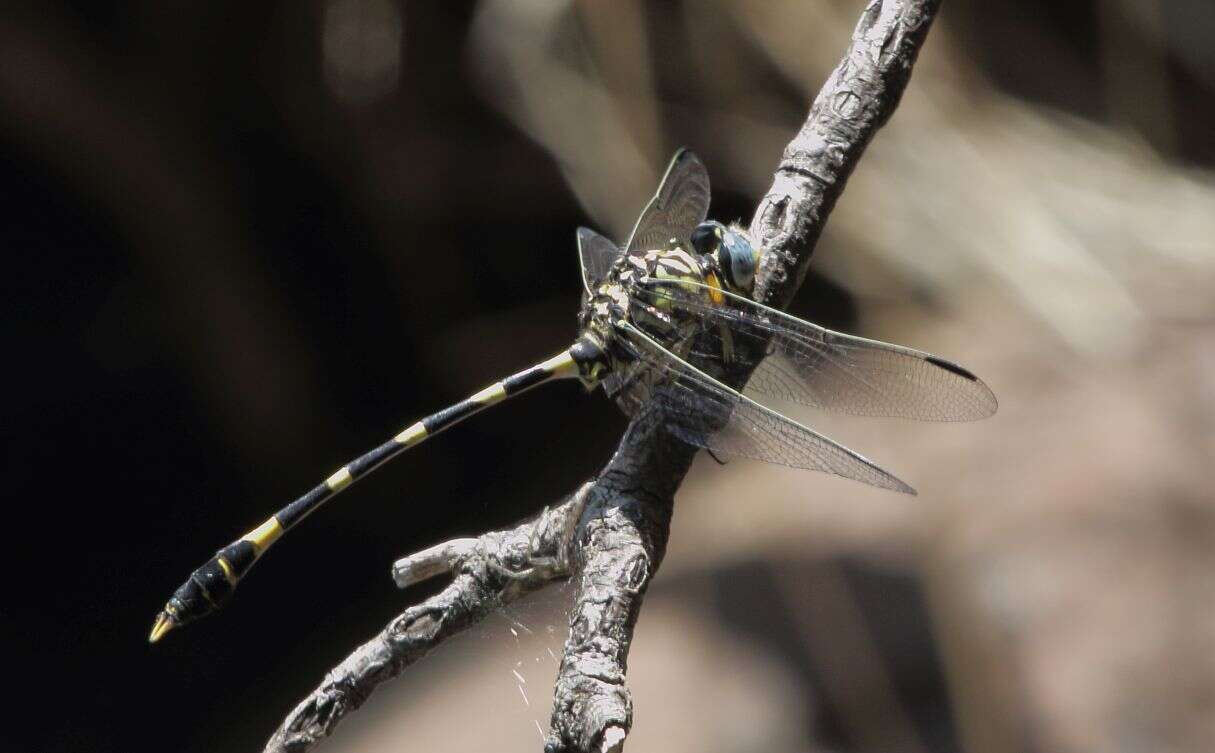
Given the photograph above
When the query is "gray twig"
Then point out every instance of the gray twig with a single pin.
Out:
(858, 98)
(610, 537)
(494, 569)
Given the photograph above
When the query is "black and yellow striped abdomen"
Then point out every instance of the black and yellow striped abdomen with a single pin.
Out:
(209, 586)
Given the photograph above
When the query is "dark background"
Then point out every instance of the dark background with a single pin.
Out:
(220, 284)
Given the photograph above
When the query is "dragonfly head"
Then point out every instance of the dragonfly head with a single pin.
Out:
(732, 253)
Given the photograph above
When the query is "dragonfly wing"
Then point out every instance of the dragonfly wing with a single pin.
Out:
(807, 364)
(596, 254)
(706, 413)
(682, 203)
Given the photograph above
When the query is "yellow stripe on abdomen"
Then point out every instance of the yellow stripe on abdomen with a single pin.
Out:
(495, 393)
(264, 535)
(411, 436)
(339, 480)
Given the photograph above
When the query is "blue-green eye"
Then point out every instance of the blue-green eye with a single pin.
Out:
(736, 258)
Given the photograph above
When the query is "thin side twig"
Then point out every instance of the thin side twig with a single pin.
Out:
(611, 536)
(489, 571)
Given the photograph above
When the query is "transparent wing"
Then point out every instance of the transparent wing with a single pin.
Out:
(807, 364)
(682, 203)
(596, 254)
(706, 413)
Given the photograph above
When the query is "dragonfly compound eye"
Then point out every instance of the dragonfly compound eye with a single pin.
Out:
(737, 260)
(706, 238)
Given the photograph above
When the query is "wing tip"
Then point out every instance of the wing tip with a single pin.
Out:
(895, 484)
(682, 154)
(992, 404)
(584, 236)
(984, 406)
(987, 403)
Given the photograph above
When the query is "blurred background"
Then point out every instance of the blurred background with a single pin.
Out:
(245, 242)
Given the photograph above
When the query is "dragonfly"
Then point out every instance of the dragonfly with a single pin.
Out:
(666, 322)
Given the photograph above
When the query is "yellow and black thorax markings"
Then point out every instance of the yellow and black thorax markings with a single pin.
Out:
(674, 264)
(618, 298)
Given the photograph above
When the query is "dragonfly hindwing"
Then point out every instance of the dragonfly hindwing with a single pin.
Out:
(682, 203)
(596, 255)
(707, 413)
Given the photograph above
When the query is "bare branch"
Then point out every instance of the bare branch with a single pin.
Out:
(611, 536)
(622, 536)
(618, 546)
(858, 98)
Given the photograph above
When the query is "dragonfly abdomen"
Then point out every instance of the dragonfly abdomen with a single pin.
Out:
(209, 586)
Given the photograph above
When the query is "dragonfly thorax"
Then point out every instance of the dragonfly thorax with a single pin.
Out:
(622, 299)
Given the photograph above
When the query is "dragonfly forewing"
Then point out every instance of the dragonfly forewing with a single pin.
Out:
(800, 362)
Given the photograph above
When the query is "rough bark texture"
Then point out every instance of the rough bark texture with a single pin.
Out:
(618, 546)
(610, 537)
(858, 98)
(489, 571)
